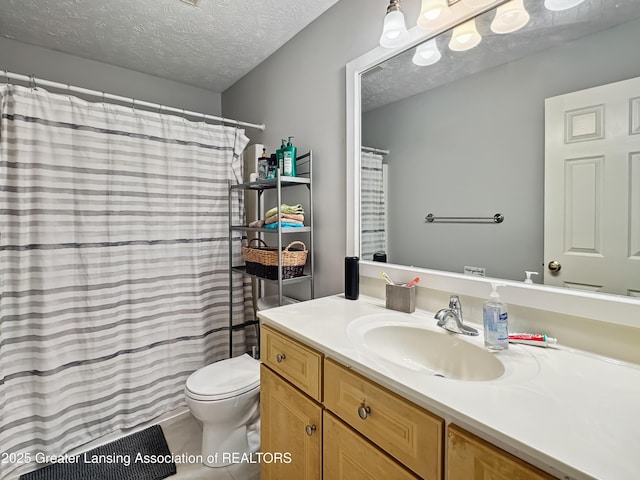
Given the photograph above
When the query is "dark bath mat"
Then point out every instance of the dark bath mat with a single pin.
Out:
(142, 455)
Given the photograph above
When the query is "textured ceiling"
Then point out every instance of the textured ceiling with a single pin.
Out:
(210, 46)
(398, 77)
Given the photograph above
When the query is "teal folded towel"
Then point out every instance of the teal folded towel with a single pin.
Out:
(274, 225)
(284, 208)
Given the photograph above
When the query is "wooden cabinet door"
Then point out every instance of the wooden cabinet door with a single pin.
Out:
(291, 429)
(469, 457)
(348, 456)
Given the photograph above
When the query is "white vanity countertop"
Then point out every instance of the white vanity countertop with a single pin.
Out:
(573, 414)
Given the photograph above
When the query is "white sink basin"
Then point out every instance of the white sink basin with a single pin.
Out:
(413, 343)
(437, 353)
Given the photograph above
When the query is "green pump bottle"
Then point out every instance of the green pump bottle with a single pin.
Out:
(289, 159)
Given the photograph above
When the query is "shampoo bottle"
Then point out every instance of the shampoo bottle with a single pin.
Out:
(263, 165)
(495, 319)
(289, 159)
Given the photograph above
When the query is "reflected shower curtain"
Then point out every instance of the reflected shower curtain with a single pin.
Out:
(113, 265)
(372, 205)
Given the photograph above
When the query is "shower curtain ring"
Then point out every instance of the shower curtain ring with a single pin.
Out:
(6, 74)
(32, 82)
(133, 105)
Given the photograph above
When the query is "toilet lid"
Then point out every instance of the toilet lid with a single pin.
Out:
(226, 378)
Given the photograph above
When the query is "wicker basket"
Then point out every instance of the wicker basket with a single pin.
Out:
(263, 261)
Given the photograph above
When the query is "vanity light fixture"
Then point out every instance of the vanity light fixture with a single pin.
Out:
(510, 16)
(432, 13)
(427, 53)
(394, 32)
(557, 5)
(465, 37)
(476, 3)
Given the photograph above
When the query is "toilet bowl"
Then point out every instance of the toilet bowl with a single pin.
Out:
(224, 397)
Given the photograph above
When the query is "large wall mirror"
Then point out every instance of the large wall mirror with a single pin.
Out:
(466, 138)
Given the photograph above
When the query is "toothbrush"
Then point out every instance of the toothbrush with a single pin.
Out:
(413, 282)
(386, 278)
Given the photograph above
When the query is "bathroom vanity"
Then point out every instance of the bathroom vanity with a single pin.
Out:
(347, 392)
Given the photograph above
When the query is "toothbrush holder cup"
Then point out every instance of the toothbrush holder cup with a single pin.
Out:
(401, 298)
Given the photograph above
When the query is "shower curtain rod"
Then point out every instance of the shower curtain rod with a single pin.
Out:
(375, 150)
(34, 82)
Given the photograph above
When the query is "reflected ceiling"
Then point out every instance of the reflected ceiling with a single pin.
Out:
(399, 78)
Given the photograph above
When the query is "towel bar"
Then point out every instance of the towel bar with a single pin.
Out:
(497, 218)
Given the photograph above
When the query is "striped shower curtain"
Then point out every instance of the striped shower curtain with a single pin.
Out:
(372, 205)
(113, 265)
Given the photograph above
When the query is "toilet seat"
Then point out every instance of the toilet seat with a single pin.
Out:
(224, 379)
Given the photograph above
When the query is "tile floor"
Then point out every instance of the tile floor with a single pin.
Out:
(184, 435)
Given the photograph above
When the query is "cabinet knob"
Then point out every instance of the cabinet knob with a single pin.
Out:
(280, 357)
(363, 412)
(310, 429)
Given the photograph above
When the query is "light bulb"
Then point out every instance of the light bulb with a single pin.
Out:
(465, 37)
(510, 16)
(557, 5)
(427, 53)
(432, 13)
(394, 32)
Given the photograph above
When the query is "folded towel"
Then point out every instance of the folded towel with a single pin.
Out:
(292, 216)
(274, 226)
(284, 208)
(299, 219)
(257, 224)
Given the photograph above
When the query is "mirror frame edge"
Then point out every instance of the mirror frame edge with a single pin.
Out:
(614, 309)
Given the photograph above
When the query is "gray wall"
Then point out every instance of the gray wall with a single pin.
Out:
(475, 147)
(18, 57)
(300, 90)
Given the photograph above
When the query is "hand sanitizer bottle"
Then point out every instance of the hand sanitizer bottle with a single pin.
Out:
(495, 319)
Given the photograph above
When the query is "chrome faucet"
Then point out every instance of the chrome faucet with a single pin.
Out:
(454, 312)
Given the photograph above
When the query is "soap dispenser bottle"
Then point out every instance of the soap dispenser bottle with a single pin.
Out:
(528, 274)
(495, 319)
(289, 159)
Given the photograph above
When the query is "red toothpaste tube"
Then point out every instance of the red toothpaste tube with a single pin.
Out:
(537, 339)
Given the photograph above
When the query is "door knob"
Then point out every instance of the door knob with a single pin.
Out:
(554, 266)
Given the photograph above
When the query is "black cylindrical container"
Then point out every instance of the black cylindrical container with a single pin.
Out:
(351, 278)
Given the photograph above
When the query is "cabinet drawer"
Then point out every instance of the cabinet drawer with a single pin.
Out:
(300, 365)
(471, 457)
(348, 456)
(407, 432)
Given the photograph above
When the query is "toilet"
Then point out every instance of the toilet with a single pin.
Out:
(224, 397)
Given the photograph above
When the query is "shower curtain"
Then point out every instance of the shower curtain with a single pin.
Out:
(372, 205)
(113, 265)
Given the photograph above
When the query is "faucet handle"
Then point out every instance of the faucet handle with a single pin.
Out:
(454, 302)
